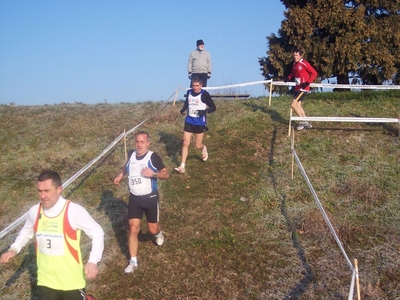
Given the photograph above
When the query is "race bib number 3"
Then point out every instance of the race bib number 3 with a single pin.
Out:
(50, 244)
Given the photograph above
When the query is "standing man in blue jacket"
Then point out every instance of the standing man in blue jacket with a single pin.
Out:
(199, 64)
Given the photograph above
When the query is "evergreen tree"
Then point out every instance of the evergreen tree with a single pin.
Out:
(359, 39)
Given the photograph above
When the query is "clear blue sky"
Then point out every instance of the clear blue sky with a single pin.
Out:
(54, 51)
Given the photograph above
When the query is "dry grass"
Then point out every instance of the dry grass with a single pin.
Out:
(276, 245)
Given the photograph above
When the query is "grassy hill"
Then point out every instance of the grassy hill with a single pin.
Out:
(273, 245)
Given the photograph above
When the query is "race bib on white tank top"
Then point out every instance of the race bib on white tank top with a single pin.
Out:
(195, 104)
(139, 185)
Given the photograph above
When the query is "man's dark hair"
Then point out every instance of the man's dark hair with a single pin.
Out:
(198, 80)
(49, 174)
(297, 50)
(145, 133)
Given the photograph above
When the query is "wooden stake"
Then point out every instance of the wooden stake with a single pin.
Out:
(176, 95)
(357, 280)
(399, 125)
(126, 154)
(290, 119)
(270, 94)
(292, 153)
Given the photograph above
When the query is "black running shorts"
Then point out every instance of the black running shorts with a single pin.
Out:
(299, 95)
(147, 204)
(46, 293)
(194, 128)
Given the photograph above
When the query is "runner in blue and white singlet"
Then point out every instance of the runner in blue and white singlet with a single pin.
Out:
(194, 106)
(198, 104)
(139, 185)
(143, 168)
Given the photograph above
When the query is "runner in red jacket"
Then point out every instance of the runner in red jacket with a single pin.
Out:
(303, 74)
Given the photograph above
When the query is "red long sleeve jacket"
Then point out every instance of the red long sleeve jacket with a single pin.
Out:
(302, 72)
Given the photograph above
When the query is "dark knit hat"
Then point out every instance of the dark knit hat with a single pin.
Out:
(199, 42)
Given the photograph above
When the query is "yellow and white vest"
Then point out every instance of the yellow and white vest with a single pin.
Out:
(59, 258)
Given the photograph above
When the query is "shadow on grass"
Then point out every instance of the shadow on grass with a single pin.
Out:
(172, 144)
(195, 156)
(117, 211)
(301, 287)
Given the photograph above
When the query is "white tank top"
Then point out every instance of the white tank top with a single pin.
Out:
(195, 104)
(139, 185)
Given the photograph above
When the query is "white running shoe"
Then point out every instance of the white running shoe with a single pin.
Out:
(132, 266)
(300, 126)
(180, 170)
(307, 125)
(204, 153)
(303, 125)
(159, 238)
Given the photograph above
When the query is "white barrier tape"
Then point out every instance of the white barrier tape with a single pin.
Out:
(108, 148)
(234, 85)
(22, 218)
(323, 85)
(81, 171)
(343, 86)
(347, 119)
(14, 224)
(351, 292)
(303, 172)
